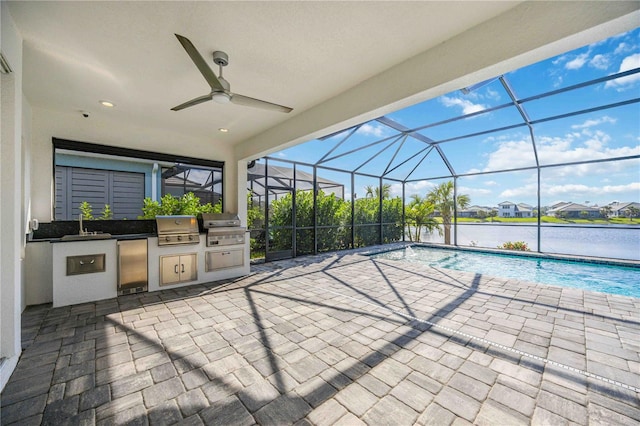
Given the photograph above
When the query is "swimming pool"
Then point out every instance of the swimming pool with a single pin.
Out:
(613, 279)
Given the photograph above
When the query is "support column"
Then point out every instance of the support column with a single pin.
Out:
(11, 194)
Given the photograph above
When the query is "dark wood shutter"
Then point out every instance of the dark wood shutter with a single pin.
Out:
(123, 191)
(127, 194)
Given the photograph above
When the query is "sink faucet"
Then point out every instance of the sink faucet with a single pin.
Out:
(82, 231)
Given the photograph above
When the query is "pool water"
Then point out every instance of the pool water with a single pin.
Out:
(613, 279)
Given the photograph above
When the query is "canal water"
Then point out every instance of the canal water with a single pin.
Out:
(613, 242)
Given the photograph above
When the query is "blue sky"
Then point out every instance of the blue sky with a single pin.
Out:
(597, 135)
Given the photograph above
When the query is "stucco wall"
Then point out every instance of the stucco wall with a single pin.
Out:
(12, 197)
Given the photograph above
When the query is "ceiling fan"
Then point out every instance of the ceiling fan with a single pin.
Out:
(220, 88)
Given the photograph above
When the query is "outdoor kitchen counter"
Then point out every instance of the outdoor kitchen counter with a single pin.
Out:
(47, 279)
(113, 237)
(204, 274)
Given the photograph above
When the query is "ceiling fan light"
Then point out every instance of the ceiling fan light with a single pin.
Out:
(221, 98)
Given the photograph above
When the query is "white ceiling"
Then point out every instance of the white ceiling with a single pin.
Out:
(332, 62)
(298, 54)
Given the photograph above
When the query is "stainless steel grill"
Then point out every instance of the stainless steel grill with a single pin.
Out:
(177, 230)
(223, 229)
(219, 220)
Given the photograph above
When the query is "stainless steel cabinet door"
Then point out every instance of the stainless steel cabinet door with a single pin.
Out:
(188, 267)
(169, 270)
(176, 269)
(132, 263)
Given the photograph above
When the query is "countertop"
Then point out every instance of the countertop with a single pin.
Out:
(113, 237)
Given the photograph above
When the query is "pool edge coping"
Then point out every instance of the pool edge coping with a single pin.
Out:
(540, 255)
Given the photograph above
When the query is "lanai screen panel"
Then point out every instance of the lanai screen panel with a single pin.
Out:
(561, 130)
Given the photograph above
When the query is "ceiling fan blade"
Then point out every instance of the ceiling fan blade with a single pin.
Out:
(257, 103)
(201, 64)
(192, 102)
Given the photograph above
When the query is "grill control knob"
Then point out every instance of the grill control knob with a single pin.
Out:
(190, 237)
(167, 238)
(179, 237)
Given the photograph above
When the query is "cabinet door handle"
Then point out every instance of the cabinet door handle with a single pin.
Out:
(176, 269)
(183, 268)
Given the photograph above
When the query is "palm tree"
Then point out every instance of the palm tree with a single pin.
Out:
(442, 199)
(369, 191)
(374, 192)
(419, 215)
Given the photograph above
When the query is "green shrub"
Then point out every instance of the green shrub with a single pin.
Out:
(107, 213)
(516, 245)
(188, 204)
(86, 209)
(331, 211)
(87, 212)
(333, 220)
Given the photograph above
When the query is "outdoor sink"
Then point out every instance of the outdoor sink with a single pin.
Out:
(78, 237)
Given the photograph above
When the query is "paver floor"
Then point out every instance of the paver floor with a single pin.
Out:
(335, 339)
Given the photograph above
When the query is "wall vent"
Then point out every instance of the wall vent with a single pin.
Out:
(4, 65)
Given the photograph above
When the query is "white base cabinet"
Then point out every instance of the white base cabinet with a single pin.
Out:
(211, 264)
(175, 266)
(86, 286)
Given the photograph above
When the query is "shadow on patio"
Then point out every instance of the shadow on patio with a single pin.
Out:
(338, 339)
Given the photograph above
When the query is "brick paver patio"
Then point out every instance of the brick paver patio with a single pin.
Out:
(336, 339)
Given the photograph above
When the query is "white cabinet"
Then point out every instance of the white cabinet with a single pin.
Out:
(97, 284)
(176, 269)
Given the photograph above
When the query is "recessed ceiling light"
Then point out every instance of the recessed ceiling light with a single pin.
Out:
(107, 104)
(223, 130)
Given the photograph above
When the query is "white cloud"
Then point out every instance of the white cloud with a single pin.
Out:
(371, 130)
(571, 191)
(628, 63)
(474, 192)
(559, 60)
(467, 106)
(586, 145)
(420, 187)
(561, 150)
(595, 122)
(577, 62)
(600, 62)
(623, 48)
(473, 170)
(511, 155)
(395, 190)
(558, 81)
(491, 183)
(493, 94)
(579, 191)
(526, 191)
